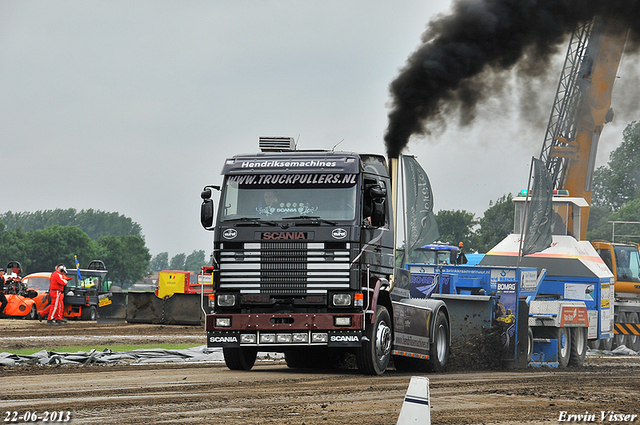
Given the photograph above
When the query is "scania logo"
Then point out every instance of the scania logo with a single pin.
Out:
(284, 235)
(229, 233)
(223, 339)
(339, 233)
(344, 338)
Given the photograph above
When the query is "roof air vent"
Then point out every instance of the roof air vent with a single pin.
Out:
(277, 144)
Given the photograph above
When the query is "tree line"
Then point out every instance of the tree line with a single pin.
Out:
(40, 240)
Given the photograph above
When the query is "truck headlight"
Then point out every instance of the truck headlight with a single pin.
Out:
(267, 338)
(319, 337)
(226, 300)
(341, 300)
(300, 337)
(247, 339)
(284, 338)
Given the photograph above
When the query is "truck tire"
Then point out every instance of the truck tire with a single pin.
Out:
(563, 335)
(374, 355)
(620, 339)
(529, 344)
(89, 313)
(594, 344)
(439, 350)
(606, 344)
(578, 346)
(239, 358)
(633, 340)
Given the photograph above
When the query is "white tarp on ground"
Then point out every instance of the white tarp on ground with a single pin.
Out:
(147, 355)
(618, 351)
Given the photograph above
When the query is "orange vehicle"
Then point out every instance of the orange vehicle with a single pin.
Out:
(81, 295)
(37, 285)
(20, 302)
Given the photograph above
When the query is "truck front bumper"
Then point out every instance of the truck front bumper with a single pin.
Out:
(273, 331)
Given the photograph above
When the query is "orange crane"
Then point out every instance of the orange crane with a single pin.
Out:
(581, 109)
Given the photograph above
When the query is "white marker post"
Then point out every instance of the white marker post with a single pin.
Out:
(417, 403)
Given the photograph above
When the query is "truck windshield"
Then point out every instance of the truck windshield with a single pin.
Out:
(627, 263)
(281, 196)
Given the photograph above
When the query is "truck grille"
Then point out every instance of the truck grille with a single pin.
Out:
(284, 268)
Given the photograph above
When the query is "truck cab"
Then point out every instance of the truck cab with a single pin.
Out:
(303, 260)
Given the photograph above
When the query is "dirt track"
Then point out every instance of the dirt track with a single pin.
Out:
(273, 394)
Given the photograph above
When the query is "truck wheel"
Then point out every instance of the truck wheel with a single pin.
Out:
(439, 350)
(239, 358)
(619, 339)
(633, 340)
(594, 344)
(93, 313)
(373, 356)
(578, 346)
(606, 344)
(564, 345)
(529, 344)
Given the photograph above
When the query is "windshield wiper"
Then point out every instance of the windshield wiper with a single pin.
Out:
(314, 218)
(255, 221)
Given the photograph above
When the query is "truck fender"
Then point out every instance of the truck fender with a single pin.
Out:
(380, 283)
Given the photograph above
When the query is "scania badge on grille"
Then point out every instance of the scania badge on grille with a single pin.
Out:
(339, 233)
(229, 234)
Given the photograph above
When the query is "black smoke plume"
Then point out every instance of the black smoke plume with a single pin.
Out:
(462, 52)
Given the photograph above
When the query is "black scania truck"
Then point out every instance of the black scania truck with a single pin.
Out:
(304, 265)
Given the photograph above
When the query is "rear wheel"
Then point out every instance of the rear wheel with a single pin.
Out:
(594, 344)
(439, 350)
(89, 313)
(564, 346)
(633, 340)
(529, 344)
(563, 336)
(620, 339)
(374, 355)
(606, 344)
(578, 346)
(239, 358)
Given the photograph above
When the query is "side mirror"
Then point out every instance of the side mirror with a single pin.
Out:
(378, 195)
(378, 213)
(378, 192)
(206, 213)
(207, 207)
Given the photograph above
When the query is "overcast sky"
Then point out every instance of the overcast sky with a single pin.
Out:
(132, 106)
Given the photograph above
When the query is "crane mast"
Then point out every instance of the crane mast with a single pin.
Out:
(581, 108)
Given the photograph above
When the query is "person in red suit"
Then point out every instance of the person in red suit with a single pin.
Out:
(56, 292)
